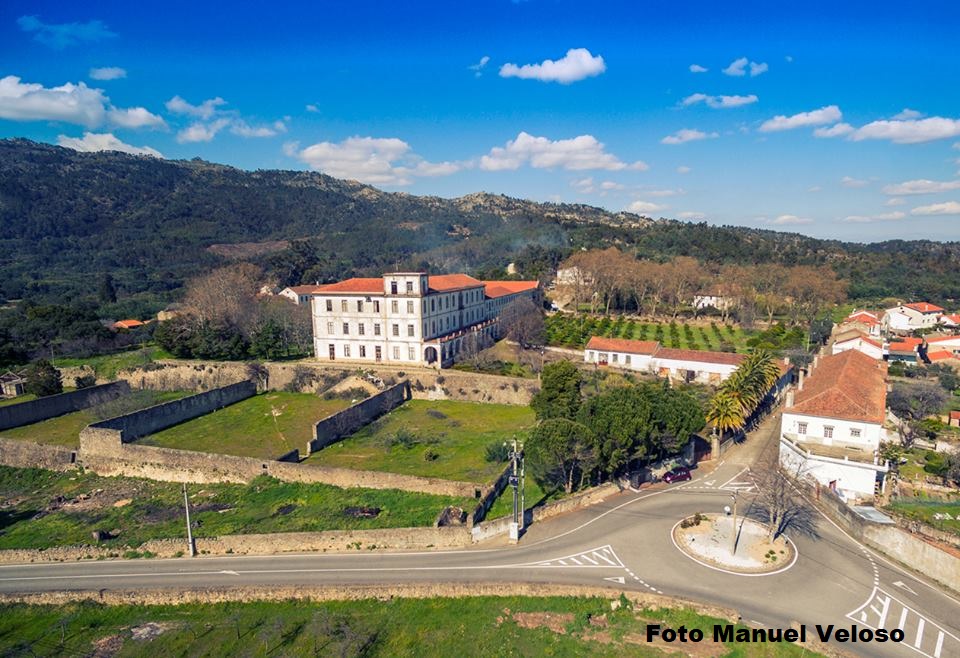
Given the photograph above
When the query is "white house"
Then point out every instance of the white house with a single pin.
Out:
(857, 340)
(910, 317)
(951, 321)
(832, 425)
(409, 318)
(715, 300)
(649, 356)
(864, 321)
(300, 294)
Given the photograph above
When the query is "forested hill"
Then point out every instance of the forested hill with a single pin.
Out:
(66, 218)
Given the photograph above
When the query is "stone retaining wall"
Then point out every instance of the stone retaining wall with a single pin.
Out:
(586, 498)
(344, 423)
(490, 497)
(132, 426)
(27, 454)
(26, 413)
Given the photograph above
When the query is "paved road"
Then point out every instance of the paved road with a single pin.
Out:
(623, 542)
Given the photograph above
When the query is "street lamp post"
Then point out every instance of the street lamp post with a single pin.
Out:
(516, 481)
(186, 506)
(733, 548)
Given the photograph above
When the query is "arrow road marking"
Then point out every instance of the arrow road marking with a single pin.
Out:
(900, 583)
(617, 579)
(921, 634)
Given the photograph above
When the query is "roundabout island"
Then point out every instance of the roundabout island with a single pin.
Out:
(737, 546)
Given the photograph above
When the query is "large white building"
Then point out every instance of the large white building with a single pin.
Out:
(906, 318)
(832, 425)
(409, 318)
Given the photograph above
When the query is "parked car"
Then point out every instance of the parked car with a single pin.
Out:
(678, 474)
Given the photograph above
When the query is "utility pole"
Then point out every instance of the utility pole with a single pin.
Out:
(733, 548)
(186, 506)
(516, 481)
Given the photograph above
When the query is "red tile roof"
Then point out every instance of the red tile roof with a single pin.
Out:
(701, 356)
(305, 290)
(954, 318)
(924, 307)
(857, 335)
(955, 415)
(866, 317)
(941, 339)
(941, 355)
(849, 385)
(356, 285)
(646, 347)
(127, 324)
(494, 289)
(908, 344)
(450, 282)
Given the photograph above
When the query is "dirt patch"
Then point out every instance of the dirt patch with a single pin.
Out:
(149, 631)
(106, 647)
(554, 621)
(362, 512)
(123, 502)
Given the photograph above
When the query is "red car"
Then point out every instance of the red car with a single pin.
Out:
(678, 474)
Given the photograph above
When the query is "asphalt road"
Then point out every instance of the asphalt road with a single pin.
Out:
(626, 538)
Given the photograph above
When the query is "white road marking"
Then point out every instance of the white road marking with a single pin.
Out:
(588, 559)
(919, 639)
(605, 553)
(747, 468)
(928, 638)
(230, 573)
(939, 647)
(901, 584)
(602, 557)
(617, 579)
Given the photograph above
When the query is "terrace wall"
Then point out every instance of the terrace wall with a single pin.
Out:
(27, 454)
(26, 413)
(344, 423)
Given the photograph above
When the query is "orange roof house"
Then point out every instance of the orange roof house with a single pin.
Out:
(849, 385)
(127, 324)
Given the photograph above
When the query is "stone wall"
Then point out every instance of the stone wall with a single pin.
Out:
(153, 419)
(586, 498)
(25, 413)
(102, 452)
(344, 423)
(490, 496)
(27, 454)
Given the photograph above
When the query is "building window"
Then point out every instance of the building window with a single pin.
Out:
(433, 305)
(409, 286)
(592, 356)
(330, 305)
(346, 351)
(434, 325)
(410, 331)
(410, 307)
(802, 428)
(346, 328)
(360, 329)
(626, 359)
(343, 305)
(412, 353)
(376, 328)
(363, 351)
(396, 353)
(393, 287)
(394, 306)
(854, 433)
(376, 306)
(827, 432)
(359, 306)
(329, 328)
(396, 330)
(614, 357)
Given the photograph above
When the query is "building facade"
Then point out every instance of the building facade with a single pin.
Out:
(410, 318)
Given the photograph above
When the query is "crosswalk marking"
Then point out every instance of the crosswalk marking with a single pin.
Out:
(920, 634)
(591, 558)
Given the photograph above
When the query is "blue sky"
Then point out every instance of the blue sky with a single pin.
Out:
(839, 122)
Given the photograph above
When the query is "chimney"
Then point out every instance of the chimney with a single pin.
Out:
(800, 381)
(789, 399)
(786, 360)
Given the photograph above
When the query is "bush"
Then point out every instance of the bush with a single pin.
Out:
(430, 455)
(497, 452)
(404, 438)
(84, 381)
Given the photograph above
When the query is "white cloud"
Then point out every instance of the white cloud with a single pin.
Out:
(815, 188)
(374, 160)
(61, 35)
(72, 103)
(104, 142)
(108, 73)
(312, 108)
(827, 114)
(576, 65)
(687, 135)
(788, 58)
(947, 208)
(894, 201)
(719, 102)
(584, 185)
(696, 68)
(921, 186)
(576, 154)
(909, 131)
(662, 193)
(609, 186)
(882, 217)
(906, 114)
(683, 169)
(201, 132)
(849, 181)
(135, 117)
(836, 130)
(478, 67)
(644, 207)
(738, 68)
(204, 110)
(786, 220)
(243, 129)
(691, 214)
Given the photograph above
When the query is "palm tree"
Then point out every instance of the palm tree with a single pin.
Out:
(725, 412)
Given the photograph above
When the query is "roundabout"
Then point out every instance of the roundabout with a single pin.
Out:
(742, 548)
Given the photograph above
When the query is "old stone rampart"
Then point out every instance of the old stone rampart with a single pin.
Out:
(344, 423)
(26, 413)
(27, 454)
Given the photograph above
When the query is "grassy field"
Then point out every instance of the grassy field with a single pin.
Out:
(478, 626)
(107, 365)
(441, 439)
(17, 400)
(533, 496)
(938, 514)
(45, 508)
(264, 426)
(575, 331)
(65, 430)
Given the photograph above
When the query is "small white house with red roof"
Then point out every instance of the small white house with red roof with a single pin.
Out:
(906, 318)
(858, 340)
(865, 321)
(300, 295)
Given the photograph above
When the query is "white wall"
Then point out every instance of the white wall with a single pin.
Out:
(869, 439)
(852, 480)
(861, 345)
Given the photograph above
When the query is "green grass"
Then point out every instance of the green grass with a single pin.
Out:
(533, 496)
(574, 332)
(155, 509)
(65, 430)
(264, 426)
(458, 432)
(475, 626)
(17, 400)
(926, 511)
(107, 365)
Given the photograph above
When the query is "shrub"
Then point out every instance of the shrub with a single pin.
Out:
(84, 381)
(430, 455)
(433, 413)
(404, 438)
(497, 452)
